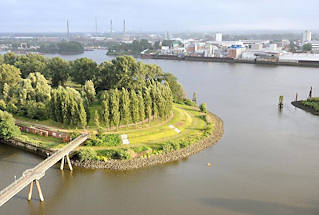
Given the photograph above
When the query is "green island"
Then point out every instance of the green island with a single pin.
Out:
(131, 110)
(310, 105)
(63, 47)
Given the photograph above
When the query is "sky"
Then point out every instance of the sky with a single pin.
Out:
(158, 16)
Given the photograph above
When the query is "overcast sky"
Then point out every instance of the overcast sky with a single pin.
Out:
(159, 15)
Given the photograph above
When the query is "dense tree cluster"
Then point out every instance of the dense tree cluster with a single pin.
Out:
(122, 107)
(64, 47)
(129, 91)
(134, 48)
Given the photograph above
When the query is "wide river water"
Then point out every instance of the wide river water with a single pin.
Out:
(266, 163)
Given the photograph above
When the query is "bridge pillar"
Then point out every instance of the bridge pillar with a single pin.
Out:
(30, 191)
(39, 190)
(62, 164)
(69, 162)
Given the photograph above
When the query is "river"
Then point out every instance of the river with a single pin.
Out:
(266, 163)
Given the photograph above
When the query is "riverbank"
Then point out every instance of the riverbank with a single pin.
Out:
(299, 104)
(300, 63)
(28, 147)
(153, 160)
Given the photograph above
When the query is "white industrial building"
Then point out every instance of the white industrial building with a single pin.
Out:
(219, 37)
(306, 36)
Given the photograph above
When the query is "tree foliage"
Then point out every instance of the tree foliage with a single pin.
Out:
(58, 70)
(9, 75)
(307, 47)
(67, 107)
(125, 106)
(30, 63)
(8, 129)
(88, 92)
(83, 69)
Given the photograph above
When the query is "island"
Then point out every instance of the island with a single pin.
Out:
(310, 105)
(135, 114)
(63, 47)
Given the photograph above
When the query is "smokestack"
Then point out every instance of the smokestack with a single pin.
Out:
(124, 26)
(95, 25)
(68, 29)
(111, 27)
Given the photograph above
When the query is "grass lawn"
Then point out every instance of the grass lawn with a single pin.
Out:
(186, 119)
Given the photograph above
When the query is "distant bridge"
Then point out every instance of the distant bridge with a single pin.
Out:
(35, 174)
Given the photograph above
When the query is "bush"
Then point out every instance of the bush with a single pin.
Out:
(167, 147)
(203, 107)
(118, 154)
(105, 140)
(87, 154)
(189, 102)
(8, 129)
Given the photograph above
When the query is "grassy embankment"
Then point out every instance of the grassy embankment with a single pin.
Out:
(145, 139)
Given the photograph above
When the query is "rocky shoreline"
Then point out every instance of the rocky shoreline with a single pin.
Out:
(158, 159)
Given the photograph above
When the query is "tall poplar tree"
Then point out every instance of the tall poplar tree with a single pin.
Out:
(141, 106)
(125, 106)
(148, 103)
(134, 106)
(106, 113)
(114, 108)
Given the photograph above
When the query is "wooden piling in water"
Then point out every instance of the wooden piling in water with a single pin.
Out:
(281, 101)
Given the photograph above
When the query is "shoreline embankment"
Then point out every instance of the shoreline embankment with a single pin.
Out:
(153, 160)
(300, 63)
(134, 163)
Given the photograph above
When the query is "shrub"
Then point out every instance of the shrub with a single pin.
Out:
(118, 154)
(203, 107)
(105, 140)
(8, 129)
(87, 154)
(167, 147)
(189, 102)
(176, 146)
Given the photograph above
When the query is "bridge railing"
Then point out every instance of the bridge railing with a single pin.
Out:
(12, 185)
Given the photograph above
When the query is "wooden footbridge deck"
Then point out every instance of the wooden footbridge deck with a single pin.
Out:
(33, 175)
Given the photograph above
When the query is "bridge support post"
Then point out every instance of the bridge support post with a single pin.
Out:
(69, 162)
(62, 164)
(39, 190)
(30, 191)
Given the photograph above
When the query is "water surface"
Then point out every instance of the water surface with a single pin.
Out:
(266, 163)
